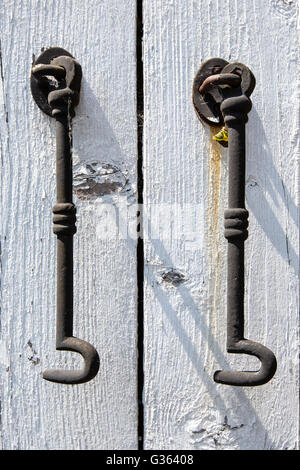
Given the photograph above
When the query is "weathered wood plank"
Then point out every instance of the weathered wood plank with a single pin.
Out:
(185, 313)
(36, 414)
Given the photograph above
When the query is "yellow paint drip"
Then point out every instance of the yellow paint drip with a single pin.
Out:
(214, 224)
(214, 187)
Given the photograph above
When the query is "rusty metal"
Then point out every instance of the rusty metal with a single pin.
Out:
(233, 104)
(229, 79)
(207, 106)
(55, 85)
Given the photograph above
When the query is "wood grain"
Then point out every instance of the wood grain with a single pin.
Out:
(36, 414)
(185, 320)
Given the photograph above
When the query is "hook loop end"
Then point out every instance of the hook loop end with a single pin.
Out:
(249, 378)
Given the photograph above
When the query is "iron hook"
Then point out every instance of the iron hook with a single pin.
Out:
(58, 100)
(225, 95)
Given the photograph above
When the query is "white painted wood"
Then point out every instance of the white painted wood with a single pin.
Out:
(185, 313)
(36, 414)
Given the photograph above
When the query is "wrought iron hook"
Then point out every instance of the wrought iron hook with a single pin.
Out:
(223, 98)
(55, 86)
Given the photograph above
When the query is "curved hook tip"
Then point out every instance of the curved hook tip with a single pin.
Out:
(72, 377)
(247, 378)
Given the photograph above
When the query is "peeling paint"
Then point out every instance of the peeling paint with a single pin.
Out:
(33, 358)
(212, 434)
(286, 8)
(94, 179)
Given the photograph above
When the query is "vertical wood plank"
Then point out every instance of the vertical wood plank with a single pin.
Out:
(185, 285)
(36, 414)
